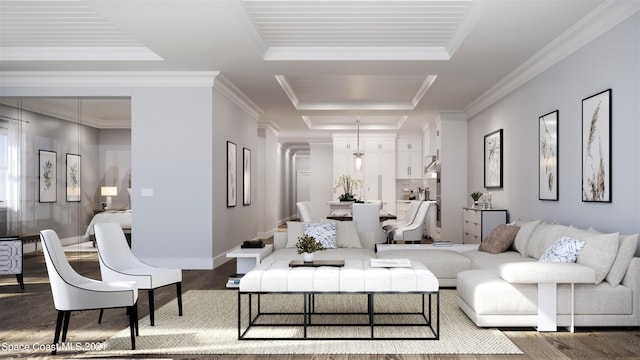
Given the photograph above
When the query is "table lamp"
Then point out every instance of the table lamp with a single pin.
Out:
(108, 191)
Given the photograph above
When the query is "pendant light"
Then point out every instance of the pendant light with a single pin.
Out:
(358, 154)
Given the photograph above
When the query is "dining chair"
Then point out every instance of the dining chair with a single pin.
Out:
(412, 210)
(306, 212)
(412, 231)
(117, 262)
(74, 292)
(367, 219)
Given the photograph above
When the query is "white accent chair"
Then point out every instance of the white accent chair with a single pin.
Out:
(117, 262)
(73, 292)
(367, 219)
(412, 210)
(306, 212)
(413, 231)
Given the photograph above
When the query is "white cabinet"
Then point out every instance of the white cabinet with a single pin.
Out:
(478, 223)
(378, 171)
(409, 158)
(401, 208)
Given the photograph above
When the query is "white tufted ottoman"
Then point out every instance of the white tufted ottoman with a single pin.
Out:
(355, 277)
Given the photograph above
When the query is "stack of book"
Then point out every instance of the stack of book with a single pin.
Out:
(234, 281)
(441, 243)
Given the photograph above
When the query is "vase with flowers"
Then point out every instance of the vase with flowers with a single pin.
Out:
(348, 185)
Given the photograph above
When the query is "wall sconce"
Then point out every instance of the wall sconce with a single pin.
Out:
(108, 191)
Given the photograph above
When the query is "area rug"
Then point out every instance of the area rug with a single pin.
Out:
(209, 326)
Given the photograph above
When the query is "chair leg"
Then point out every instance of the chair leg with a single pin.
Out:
(135, 317)
(20, 281)
(100, 317)
(56, 337)
(179, 290)
(65, 326)
(151, 307)
(132, 326)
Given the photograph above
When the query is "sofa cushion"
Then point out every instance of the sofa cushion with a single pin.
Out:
(347, 235)
(485, 260)
(543, 237)
(444, 264)
(626, 250)
(564, 250)
(553, 273)
(499, 239)
(325, 233)
(599, 251)
(294, 230)
(524, 234)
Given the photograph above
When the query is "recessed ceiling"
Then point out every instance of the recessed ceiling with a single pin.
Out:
(360, 30)
(63, 30)
(348, 122)
(355, 92)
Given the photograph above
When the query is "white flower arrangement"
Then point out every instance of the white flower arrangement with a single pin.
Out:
(349, 185)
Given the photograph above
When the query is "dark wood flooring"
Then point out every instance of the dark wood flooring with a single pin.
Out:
(27, 319)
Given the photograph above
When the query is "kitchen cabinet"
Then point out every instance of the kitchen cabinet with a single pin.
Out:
(378, 166)
(478, 223)
(409, 158)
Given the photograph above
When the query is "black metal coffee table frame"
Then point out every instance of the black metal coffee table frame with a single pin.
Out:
(309, 312)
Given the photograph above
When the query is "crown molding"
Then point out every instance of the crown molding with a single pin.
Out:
(235, 95)
(107, 78)
(609, 14)
(361, 53)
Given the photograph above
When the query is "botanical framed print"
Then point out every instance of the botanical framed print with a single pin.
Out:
(548, 146)
(596, 147)
(246, 176)
(73, 178)
(47, 167)
(232, 190)
(493, 160)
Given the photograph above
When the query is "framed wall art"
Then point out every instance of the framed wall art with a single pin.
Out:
(232, 190)
(246, 176)
(73, 178)
(596, 147)
(493, 160)
(548, 146)
(47, 167)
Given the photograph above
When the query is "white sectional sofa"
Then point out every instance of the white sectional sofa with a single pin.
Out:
(500, 290)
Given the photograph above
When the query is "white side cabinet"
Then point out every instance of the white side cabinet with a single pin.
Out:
(478, 223)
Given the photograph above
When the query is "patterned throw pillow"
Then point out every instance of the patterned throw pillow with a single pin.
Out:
(323, 232)
(564, 250)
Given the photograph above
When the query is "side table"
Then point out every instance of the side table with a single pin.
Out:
(248, 258)
(11, 258)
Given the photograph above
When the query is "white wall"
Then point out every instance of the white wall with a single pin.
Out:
(231, 225)
(611, 61)
(114, 160)
(321, 164)
(267, 183)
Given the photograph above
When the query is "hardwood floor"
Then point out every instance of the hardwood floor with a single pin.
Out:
(27, 319)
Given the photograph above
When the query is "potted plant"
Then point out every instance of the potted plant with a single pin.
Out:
(307, 245)
(476, 196)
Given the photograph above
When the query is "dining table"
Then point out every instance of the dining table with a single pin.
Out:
(347, 216)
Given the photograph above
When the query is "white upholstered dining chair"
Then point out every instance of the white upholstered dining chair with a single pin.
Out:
(367, 219)
(117, 262)
(413, 231)
(74, 292)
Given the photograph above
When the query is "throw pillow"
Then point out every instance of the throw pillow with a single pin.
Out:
(564, 250)
(499, 239)
(294, 230)
(628, 246)
(524, 234)
(599, 251)
(347, 235)
(325, 233)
